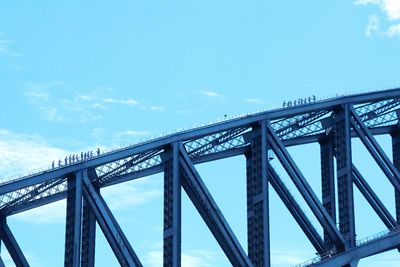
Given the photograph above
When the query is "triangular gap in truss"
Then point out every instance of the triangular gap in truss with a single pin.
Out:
(5, 256)
(226, 181)
(137, 206)
(199, 247)
(104, 256)
(45, 243)
(307, 159)
(289, 245)
(363, 210)
(370, 170)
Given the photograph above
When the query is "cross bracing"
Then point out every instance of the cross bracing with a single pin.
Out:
(332, 123)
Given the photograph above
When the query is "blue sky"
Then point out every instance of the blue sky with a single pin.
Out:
(76, 76)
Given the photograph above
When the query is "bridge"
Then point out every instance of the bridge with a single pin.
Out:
(262, 138)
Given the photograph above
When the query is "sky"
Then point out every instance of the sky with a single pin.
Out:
(76, 75)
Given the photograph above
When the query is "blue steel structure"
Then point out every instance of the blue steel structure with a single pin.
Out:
(332, 123)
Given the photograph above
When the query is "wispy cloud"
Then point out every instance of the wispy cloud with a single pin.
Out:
(372, 26)
(393, 30)
(210, 93)
(157, 108)
(192, 258)
(5, 46)
(132, 133)
(391, 9)
(59, 102)
(118, 197)
(130, 195)
(258, 101)
(128, 101)
(48, 214)
(20, 153)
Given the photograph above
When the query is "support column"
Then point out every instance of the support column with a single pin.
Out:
(328, 183)
(344, 175)
(88, 235)
(257, 199)
(396, 162)
(172, 208)
(73, 221)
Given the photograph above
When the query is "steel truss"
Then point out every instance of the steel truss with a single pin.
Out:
(332, 123)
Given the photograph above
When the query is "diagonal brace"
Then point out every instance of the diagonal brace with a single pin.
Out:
(304, 188)
(297, 213)
(376, 151)
(373, 200)
(113, 233)
(11, 244)
(211, 214)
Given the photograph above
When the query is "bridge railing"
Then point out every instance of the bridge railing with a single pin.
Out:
(359, 242)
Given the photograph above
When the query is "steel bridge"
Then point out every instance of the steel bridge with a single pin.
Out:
(331, 123)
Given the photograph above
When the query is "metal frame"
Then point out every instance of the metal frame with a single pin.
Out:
(333, 123)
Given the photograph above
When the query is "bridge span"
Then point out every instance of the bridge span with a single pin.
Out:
(331, 123)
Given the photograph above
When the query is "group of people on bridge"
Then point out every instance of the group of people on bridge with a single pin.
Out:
(72, 158)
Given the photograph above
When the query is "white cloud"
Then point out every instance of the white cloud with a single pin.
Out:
(373, 26)
(132, 133)
(4, 50)
(283, 258)
(48, 214)
(193, 258)
(258, 101)
(157, 108)
(20, 153)
(366, 2)
(210, 93)
(128, 195)
(128, 101)
(391, 8)
(393, 31)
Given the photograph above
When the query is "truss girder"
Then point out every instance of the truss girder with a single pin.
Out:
(376, 113)
(209, 211)
(258, 238)
(172, 208)
(305, 189)
(296, 211)
(344, 175)
(11, 244)
(373, 200)
(112, 231)
(381, 111)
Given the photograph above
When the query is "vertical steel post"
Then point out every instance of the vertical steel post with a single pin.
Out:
(396, 162)
(88, 235)
(257, 199)
(74, 221)
(344, 174)
(328, 182)
(172, 208)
